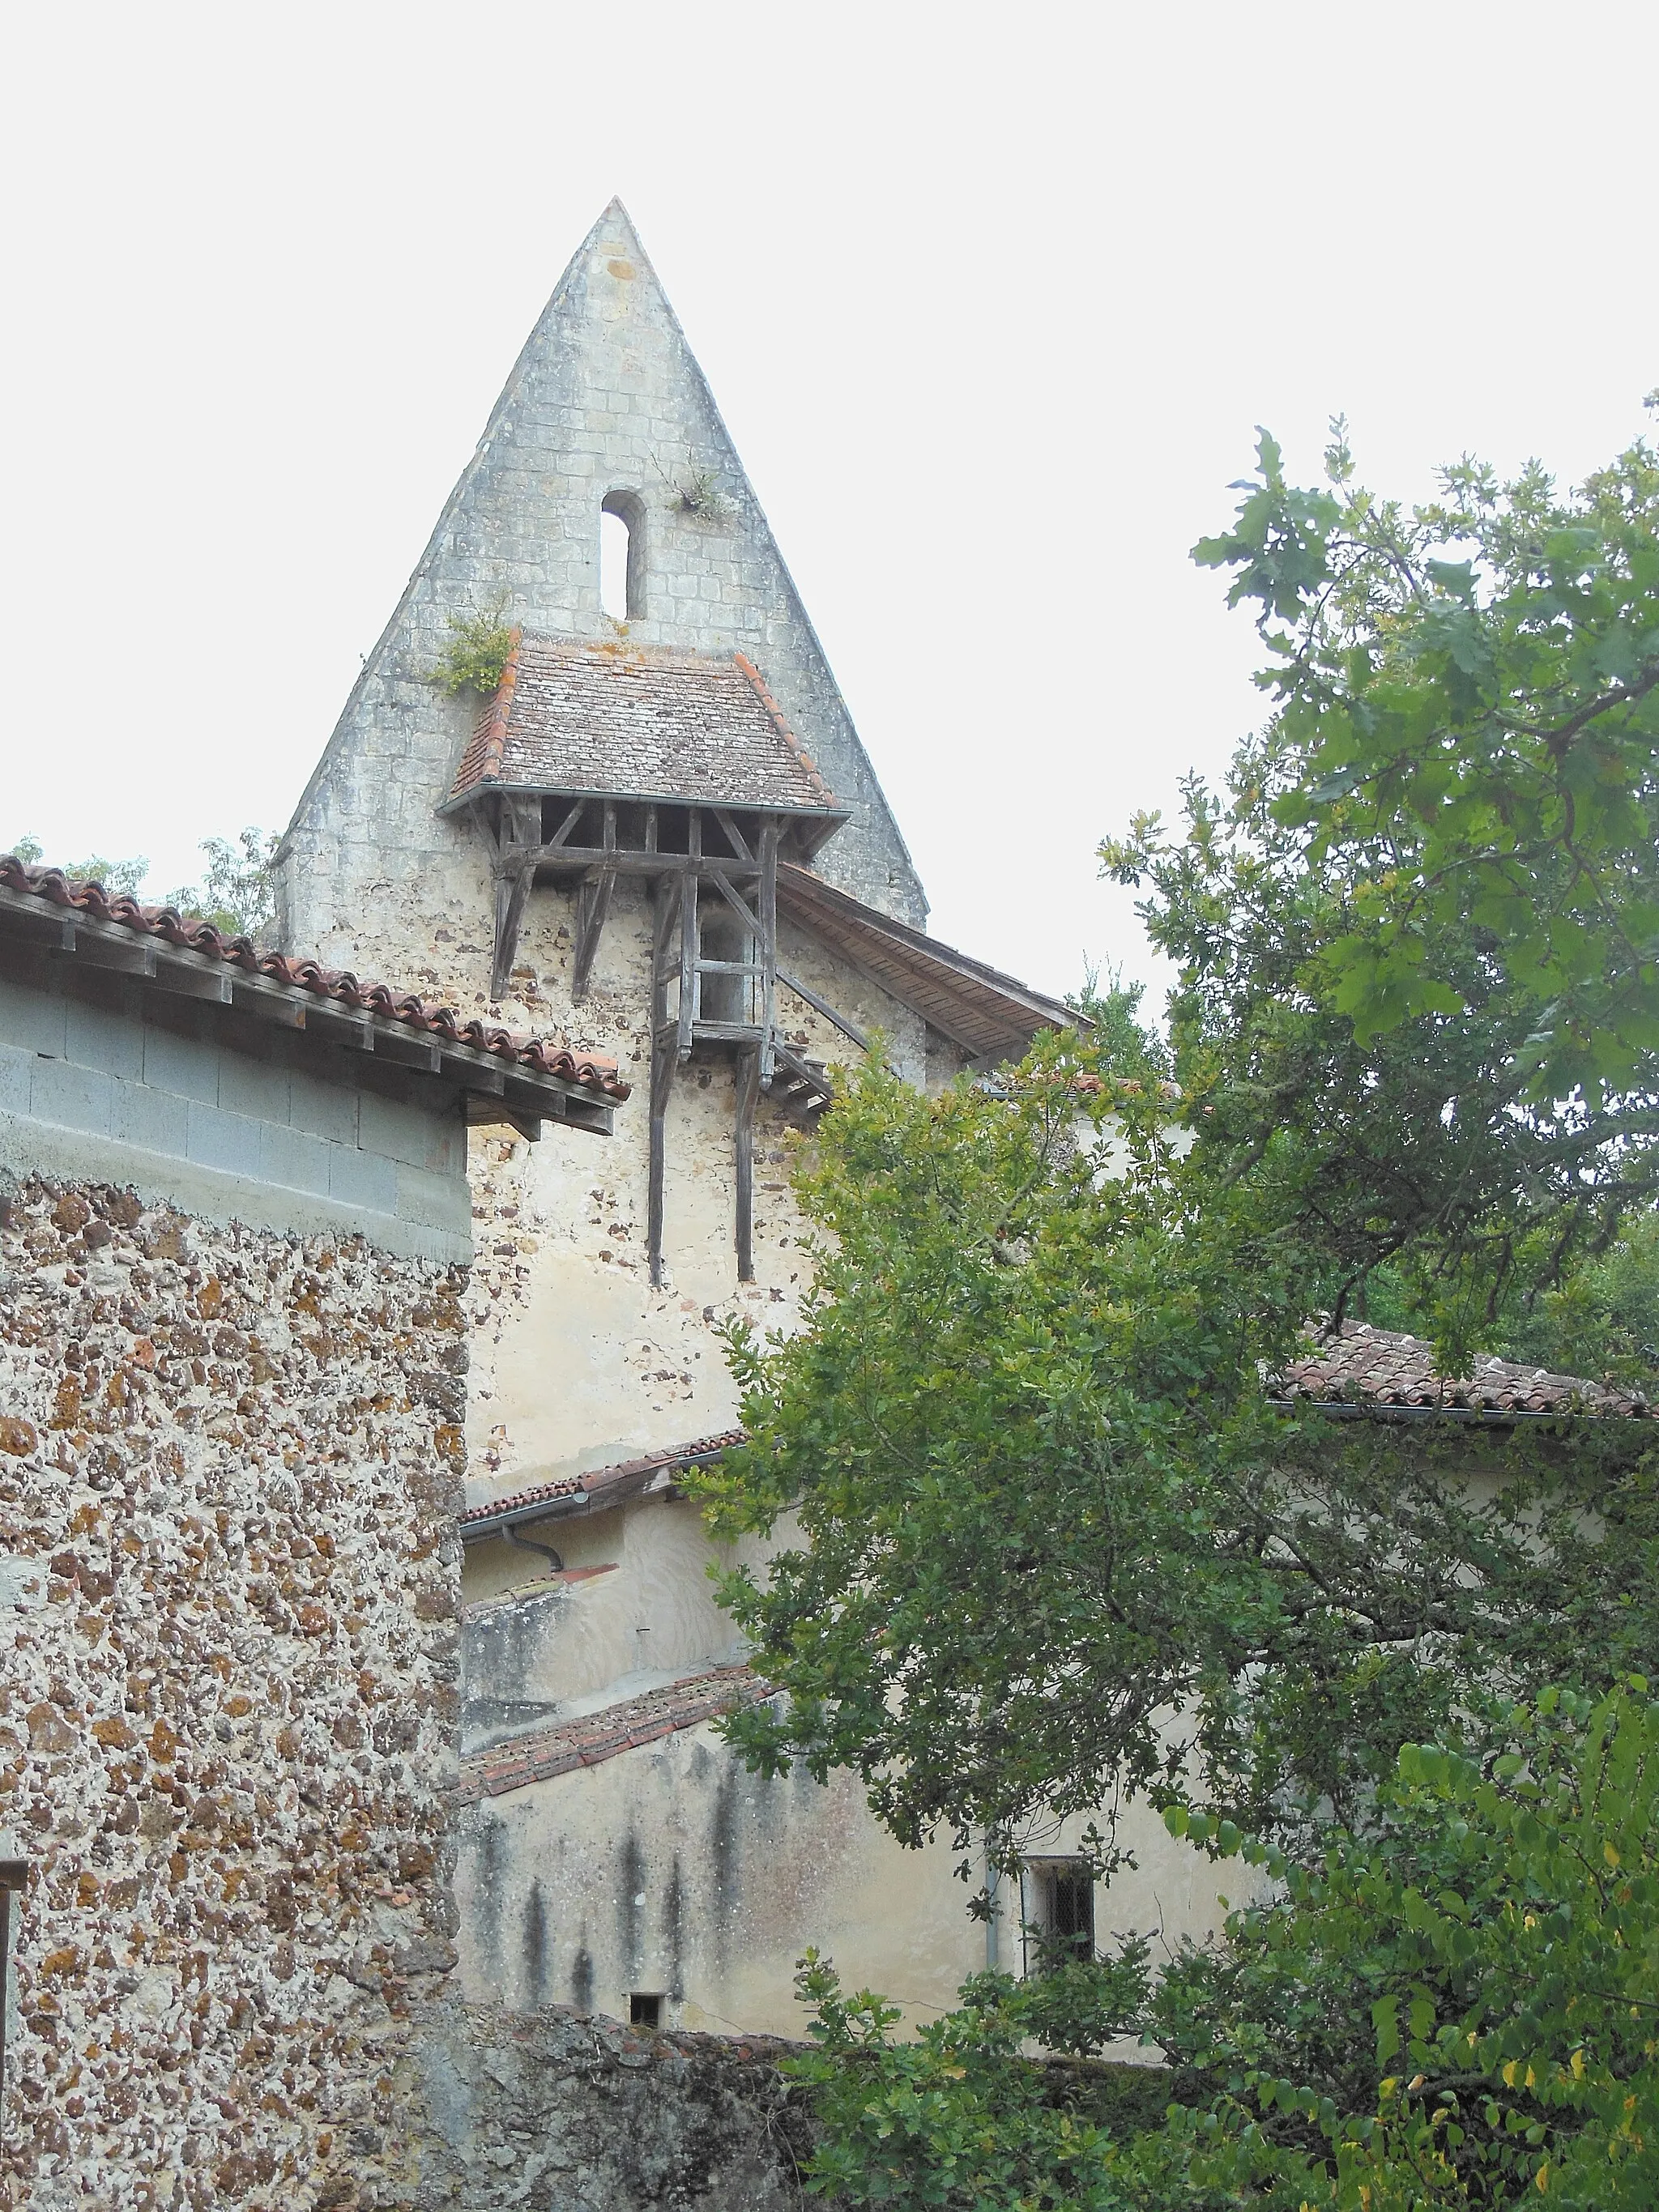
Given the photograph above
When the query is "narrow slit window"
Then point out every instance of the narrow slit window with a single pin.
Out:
(621, 556)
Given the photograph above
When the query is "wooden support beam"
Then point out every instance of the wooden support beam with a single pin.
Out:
(593, 904)
(512, 895)
(688, 962)
(561, 833)
(738, 905)
(666, 896)
(738, 843)
(823, 1006)
(137, 956)
(748, 1074)
(641, 862)
(767, 947)
(494, 1112)
(193, 976)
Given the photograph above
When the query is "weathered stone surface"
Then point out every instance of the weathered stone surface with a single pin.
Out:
(227, 1655)
(553, 2108)
(605, 399)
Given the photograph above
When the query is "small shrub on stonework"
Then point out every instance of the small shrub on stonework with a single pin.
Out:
(475, 658)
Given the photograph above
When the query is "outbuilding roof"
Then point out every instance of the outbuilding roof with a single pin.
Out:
(597, 1490)
(144, 941)
(1379, 1369)
(594, 1737)
(642, 722)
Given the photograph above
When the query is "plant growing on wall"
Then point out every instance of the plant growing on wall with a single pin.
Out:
(698, 494)
(476, 654)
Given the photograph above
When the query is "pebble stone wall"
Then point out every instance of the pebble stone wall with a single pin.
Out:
(228, 1467)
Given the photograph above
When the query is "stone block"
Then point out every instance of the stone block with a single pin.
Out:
(184, 1064)
(156, 1121)
(229, 1142)
(365, 1179)
(326, 1109)
(17, 1074)
(442, 1201)
(294, 1159)
(257, 1088)
(95, 1037)
(32, 1020)
(401, 1130)
(76, 1097)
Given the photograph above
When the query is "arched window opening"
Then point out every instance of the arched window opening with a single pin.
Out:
(621, 556)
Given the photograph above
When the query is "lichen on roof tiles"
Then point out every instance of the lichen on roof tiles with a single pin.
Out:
(693, 727)
(594, 1737)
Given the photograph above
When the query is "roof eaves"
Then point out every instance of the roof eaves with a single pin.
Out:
(142, 941)
(596, 1492)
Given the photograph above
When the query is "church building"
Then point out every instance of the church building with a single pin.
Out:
(659, 837)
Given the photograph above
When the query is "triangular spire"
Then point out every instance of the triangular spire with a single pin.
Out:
(605, 406)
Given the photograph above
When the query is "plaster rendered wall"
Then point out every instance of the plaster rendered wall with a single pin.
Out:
(227, 1116)
(228, 1601)
(605, 397)
(578, 1363)
(669, 1870)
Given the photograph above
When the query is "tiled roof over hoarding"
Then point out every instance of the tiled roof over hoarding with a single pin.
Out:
(688, 728)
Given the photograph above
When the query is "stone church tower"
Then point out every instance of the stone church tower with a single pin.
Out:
(605, 408)
(659, 838)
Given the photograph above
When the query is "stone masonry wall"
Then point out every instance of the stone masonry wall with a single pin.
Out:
(574, 2113)
(605, 398)
(228, 1599)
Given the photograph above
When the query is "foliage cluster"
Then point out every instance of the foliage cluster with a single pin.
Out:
(125, 877)
(1454, 2008)
(479, 648)
(237, 893)
(1048, 1497)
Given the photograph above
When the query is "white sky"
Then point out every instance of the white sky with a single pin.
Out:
(991, 300)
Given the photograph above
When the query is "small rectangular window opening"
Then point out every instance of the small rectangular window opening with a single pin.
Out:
(1060, 1906)
(644, 2009)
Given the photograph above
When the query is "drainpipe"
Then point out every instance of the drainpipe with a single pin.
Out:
(993, 1899)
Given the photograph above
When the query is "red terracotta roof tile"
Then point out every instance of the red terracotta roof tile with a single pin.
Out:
(644, 720)
(1383, 1367)
(594, 1737)
(589, 1070)
(629, 1474)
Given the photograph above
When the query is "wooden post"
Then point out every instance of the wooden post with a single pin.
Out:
(767, 948)
(748, 1074)
(593, 904)
(688, 960)
(512, 895)
(664, 1060)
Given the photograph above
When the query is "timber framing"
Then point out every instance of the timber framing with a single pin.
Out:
(711, 872)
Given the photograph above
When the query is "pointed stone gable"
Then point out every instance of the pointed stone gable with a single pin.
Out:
(606, 404)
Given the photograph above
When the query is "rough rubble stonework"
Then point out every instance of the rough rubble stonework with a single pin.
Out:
(563, 2113)
(228, 1600)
